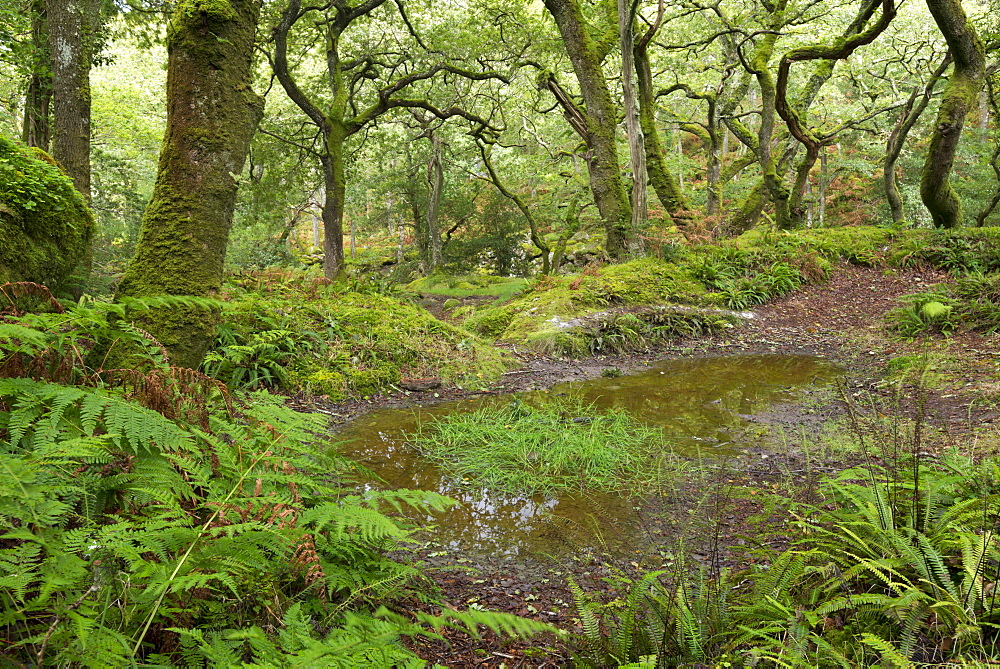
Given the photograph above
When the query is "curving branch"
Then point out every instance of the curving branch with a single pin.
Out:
(841, 48)
(957, 98)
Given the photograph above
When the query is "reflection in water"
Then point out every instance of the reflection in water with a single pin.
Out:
(701, 404)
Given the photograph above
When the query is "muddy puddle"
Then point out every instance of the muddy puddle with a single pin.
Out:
(704, 406)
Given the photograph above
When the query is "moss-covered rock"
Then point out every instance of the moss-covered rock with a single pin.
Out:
(359, 344)
(490, 322)
(45, 226)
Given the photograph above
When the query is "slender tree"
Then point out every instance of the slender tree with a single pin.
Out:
(212, 113)
(363, 84)
(37, 127)
(663, 181)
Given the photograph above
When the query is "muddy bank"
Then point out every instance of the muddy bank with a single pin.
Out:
(841, 321)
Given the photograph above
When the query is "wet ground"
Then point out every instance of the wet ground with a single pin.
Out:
(840, 321)
(706, 408)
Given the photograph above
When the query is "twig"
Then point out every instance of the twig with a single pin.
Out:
(55, 623)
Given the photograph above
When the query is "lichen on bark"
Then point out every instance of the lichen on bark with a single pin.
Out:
(212, 114)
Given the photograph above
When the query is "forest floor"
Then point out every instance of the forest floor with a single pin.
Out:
(841, 320)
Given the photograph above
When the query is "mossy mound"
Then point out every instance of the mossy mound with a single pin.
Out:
(575, 315)
(632, 305)
(468, 285)
(45, 226)
(347, 343)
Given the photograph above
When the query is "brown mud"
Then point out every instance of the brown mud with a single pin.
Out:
(730, 526)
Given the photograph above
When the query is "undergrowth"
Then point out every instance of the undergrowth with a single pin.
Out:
(151, 517)
(893, 563)
(741, 274)
(970, 302)
(287, 331)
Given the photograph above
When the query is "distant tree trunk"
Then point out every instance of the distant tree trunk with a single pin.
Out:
(37, 128)
(435, 179)
(664, 183)
(599, 120)
(212, 114)
(636, 143)
(823, 182)
(536, 238)
(992, 103)
(894, 145)
(72, 27)
(960, 94)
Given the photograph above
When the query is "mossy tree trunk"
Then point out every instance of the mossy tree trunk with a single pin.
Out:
(633, 129)
(72, 26)
(435, 182)
(598, 121)
(212, 114)
(37, 128)
(663, 181)
(914, 108)
(958, 97)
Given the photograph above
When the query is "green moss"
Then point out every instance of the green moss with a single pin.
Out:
(503, 288)
(45, 226)
(360, 344)
(320, 382)
(490, 322)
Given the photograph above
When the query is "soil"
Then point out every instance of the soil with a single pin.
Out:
(842, 320)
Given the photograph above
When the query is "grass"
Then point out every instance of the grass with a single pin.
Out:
(564, 444)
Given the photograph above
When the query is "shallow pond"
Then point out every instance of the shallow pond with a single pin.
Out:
(702, 404)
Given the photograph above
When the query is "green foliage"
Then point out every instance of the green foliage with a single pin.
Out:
(152, 519)
(621, 332)
(971, 302)
(560, 444)
(896, 564)
(45, 227)
(468, 285)
(924, 312)
(333, 340)
(260, 362)
(490, 322)
(962, 251)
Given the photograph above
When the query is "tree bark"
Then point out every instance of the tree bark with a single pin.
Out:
(601, 118)
(894, 145)
(957, 98)
(37, 128)
(636, 143)
(664, 183)
(212, 114)
(72, 27)
(435, 181)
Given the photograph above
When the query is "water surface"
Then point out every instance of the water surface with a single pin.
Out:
(702, 405)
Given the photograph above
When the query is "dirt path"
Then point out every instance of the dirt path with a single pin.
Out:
(842, 319)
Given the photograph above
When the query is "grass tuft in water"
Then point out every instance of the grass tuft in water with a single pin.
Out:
(564, 444)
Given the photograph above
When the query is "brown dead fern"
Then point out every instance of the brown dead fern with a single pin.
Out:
(19, 297)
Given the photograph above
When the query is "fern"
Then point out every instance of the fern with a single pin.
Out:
(125, 522)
